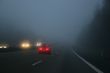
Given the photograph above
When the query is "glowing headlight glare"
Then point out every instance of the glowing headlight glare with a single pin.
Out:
(4, 46)
(25, 45)
(39, 44)
(1, 47)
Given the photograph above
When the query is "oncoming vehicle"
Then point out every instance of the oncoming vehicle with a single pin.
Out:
(25, 45)
(3, 45)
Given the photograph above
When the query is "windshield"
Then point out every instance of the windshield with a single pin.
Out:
(76, 32)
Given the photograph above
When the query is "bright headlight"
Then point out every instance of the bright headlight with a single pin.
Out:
(1, 47)
(4, 46)
(25, 45)
(39, 44)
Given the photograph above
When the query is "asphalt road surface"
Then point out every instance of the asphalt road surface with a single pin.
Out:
(62, 60)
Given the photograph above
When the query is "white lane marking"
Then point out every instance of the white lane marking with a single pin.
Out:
(89, 64)
(36, 63)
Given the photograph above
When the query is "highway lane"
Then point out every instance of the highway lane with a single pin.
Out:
(61, 61)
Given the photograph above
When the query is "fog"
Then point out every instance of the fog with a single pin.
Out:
(53, 20)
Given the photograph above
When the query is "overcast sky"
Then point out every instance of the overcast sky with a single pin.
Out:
(55, 20)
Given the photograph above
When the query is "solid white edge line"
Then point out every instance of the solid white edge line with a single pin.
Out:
(88, 63)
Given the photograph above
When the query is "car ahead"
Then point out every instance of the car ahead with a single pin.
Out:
(44, 49)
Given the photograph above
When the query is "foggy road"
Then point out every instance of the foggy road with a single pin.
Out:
(61, 61)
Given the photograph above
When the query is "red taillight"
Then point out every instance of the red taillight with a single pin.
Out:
(47, 49)
(44, 50)
(40, 49)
